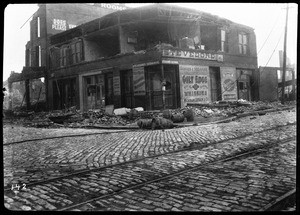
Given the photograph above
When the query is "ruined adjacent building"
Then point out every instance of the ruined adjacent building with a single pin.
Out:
(48, 20)
(156, 56)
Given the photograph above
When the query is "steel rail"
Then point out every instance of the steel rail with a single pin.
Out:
(275, 205)
(193, 147)
(245, 154)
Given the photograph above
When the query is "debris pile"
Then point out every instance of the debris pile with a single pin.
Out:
(144, 119)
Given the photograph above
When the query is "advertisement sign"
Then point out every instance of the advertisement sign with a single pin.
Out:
(195, 84)
(228, 83)
(192, 54)
(139, 88)
(117, 86)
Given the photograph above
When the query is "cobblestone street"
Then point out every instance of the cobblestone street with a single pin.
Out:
(129, 170)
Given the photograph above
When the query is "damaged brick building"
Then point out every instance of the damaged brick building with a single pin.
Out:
(48, 20)
(156, 56)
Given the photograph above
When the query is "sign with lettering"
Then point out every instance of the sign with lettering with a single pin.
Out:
(169, 62)
(116, 84)
(61, 25)
(113, 6)
(194, 54)
(195, 84)
(146, 64)
(139, 88)
(228, 83)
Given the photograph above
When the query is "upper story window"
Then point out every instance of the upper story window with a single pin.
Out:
(71, 54)
(38, 56)
(224, 41)
(76, 52)
(38, 24)
(63, 56)
(243, 43)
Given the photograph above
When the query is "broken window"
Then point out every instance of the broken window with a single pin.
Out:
(76, 52)
(224, 43)
(38, 23)
(63, 56)
(243, 43)
(38, 59)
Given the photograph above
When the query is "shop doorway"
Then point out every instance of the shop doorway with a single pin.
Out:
(126, 88)
(244, 87)
(109, 90)
(155, 93)
(64, 92)
(94, 92)
(215, 83)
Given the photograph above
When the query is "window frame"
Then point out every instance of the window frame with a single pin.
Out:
(38, 24)
(71, 54)
(243, 41)
(224, 43)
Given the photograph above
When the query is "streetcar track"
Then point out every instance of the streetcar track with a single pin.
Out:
(87, 134)
(65, 136)
(193, 146)
(185, 170)
(276, 203)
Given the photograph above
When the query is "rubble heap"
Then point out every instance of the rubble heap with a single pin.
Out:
(76, 119)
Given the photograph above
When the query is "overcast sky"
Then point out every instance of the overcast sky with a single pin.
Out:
(265, 18)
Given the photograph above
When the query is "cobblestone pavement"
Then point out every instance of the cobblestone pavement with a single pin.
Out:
(65, 192)
(244, 184)
(44, 159)
(15, 133)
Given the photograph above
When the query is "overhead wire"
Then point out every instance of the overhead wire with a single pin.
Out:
(269, 57)
(269, 33)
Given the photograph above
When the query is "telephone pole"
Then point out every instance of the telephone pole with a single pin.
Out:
(284, 57)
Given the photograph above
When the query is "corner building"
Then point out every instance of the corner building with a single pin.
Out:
(131, 57)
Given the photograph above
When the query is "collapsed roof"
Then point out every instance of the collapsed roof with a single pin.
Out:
(156, 13)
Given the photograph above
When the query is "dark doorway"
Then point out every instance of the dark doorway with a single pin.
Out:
(215, 83)
(64, 93)
(155, 78)
(126, 89)
(109, 93)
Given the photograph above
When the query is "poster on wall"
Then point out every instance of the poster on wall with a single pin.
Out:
(116, 85)
(194, 84)
(139, 81)
(228, 83)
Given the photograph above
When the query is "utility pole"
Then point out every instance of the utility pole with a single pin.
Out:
(284, 57)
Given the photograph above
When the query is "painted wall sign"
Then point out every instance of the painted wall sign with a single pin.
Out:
(146, 64)
(191, 54)
(117, 86)
(115, 6)
(61, 25)
(139, 88)
(228, 83)
(194, 84)
(169, 62)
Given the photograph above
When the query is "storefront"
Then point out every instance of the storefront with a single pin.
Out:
(168, 83)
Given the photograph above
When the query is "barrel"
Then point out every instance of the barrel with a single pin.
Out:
(167, 114)
(144, 123)
(189, 115)
(177, 118)
(161, 123)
